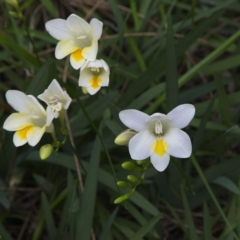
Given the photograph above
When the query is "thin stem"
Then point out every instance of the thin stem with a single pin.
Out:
(201, 174)
(54, 137)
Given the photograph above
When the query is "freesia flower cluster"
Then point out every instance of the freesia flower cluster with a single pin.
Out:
(157, 136)
(79, 39)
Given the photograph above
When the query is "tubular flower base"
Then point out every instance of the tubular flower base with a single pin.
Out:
(76, 37)
(94, 75)
(159, 135)
(29, 123)
(57, 100)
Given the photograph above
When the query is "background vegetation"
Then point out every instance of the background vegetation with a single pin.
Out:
(161, 53)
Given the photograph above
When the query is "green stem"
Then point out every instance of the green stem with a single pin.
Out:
(201, 174)
(54, 137)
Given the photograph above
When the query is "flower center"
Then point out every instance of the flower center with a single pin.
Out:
(95, 70)
(55, 104)
(158, 128)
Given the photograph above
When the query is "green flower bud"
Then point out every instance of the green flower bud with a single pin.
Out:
(124, 137)
(14, 3)
(123, 184)
(123, 198)
(143, 163)
(84, 90)
(134, 179)
(45, 151)
(130, 166)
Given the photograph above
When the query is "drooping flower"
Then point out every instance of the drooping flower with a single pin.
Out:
(29, 123)
(159, 135)
(77, 38)
(57, 100)
(94, 75)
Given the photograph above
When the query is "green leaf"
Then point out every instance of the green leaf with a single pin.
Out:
(207, 223)
(42, 79)
(4, 233)
(227, 183)
(49, 217)
(188, 215)
(84, 222)
(223, 101)
(171, 70)
(146, 228)
(50, 7)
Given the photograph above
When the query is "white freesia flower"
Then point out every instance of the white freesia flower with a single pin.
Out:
(57, 100)
(29, 123)
(77, 38)
(94, 75)
(159, 134)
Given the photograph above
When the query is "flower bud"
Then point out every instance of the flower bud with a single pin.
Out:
(124, 137)
(130, 166)
(134, 179)
(143, 162)
(84, 90)
(123, 184)
(123, 198)
(45, 151)
(14, 3)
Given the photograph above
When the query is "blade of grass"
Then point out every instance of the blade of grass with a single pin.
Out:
(207, 223)
(171, 69)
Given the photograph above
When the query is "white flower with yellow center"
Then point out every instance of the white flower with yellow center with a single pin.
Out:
(77, 38)
(57, 100)
(29, 123)
(159, 135)
(94, 75)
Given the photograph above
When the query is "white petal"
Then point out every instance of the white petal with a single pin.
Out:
(64, 48)
(18, 140)
(90, 52)
(57, 29)
(35, 134)
(35, 109)
(96, 28)
(68, 100)
(50, 128)
(105, 66)
(17, 121)
(85, 78)
(104, 76)
(134, 119)
(17, 100)
(141, 145)
(77, 62)
(92, 90)
(160, 162)
(179, 143)
(50, 116)
(78, 25)
(182, 115)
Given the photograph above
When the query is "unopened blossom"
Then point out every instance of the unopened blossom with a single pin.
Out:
(57, 100)
(159, 135)
(76, 37)
(30, 121)
(94, 75)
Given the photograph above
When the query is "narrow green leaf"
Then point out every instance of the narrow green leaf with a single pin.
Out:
(171, 70)
(50, 7)
(104, 234)
(146, 228)
(84, 222)
(223, 101)
(49, 217)
(191, 226)
(4, 233)
(200, 133)
(42, 79)
(207, 223)
(227, 183)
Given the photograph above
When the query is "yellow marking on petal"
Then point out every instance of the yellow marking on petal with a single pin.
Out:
(23, 132)
(77, 55)
(95, 81)
(160, 147)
